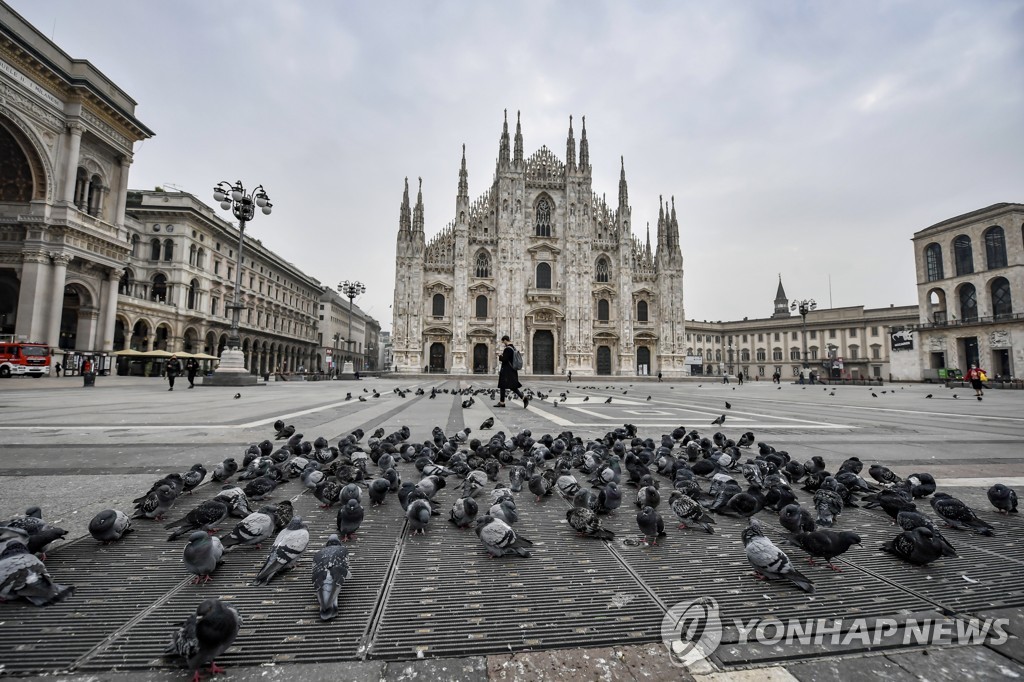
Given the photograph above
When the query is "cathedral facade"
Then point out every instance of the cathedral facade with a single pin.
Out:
(541, 257)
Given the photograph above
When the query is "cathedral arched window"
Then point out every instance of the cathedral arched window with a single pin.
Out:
(481, 306)
(438, 305)
(1002, 304)
(193, 294)
(543, 218)
(602, 270)
(963, 255)
(192, 255)
(602, 310)
(154, 249)
(483, 264)
(933, 262)
(201, 258)
(641, 311)
(543, 276)
(158, 292)
(168, 250)
(995, 247)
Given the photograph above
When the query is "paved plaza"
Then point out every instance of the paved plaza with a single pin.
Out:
(436, 605)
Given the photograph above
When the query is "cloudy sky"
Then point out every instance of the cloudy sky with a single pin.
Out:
(810, 139)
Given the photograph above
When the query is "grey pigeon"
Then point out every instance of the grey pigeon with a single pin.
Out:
(282, 512)
(330, 571)
(883, 475)
(909, 520)
(202, 555)
(689, 510)
(506, 511)
(236, 500)
(288, 546)
(378, 491)
(651, 524)
(587, 522)
(110, 525)
(225, 470)
(259, 488)
(826, 544)
(155, 504)
(829, 505)
(328, 491)
(516, 477)
(1004, 499)
(499, 538)
(918, 546)
(464, 511)
(23, 575)
(648, 496)
(958, 515)
(192, 478)
(204, 517)
(795, 519)
(540, 486)
(207, 634)
(250, 531)
(770, 562)
(567, 486)
(311, 475)
(350, 517)
(419, 516)
(351, 492)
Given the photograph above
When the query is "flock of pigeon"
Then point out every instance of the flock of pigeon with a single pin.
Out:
(704, 477)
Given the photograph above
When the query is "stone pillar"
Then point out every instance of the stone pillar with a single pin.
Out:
(86, 332)
(108, 313)
(71, 170)
(60, 271)
(32, 322)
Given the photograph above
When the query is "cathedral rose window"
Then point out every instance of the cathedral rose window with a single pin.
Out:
(543, 218)
(483, 264)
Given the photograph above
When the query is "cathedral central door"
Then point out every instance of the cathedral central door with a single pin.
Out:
(437, 357)
(543, 352)
(604, 360)
(480, 356)
(643, 360)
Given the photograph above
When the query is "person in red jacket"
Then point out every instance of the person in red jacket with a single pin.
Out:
(974, 375)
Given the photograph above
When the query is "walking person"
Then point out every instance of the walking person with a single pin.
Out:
(191, 369)
(569, 380)
(739, 377)
(977, 376)
(172, 370)
(659, 377)
(508, 375)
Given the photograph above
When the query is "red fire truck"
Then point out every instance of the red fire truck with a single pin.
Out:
(19, 359)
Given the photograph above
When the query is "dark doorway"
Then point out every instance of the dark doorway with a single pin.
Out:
(938, 360)
(1001, 363)
(604, 360)
(643, 360)
(437, 357)
(543, 352)
(69, 319)
(480, 358)
(970, 354)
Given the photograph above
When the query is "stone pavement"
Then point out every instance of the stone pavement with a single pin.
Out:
(74, 451)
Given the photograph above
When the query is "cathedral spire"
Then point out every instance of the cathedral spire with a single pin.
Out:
(781, 302)
(463, 177)
(584, 149)
(623, 191)
(673, 232)
(405, 215)
(650, 255)
(517, 159)
(661, 225)
(417, 216)
(570, 149)
(503, 147)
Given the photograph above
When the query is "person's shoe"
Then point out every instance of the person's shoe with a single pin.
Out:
(526, 402)
(498, 405)
(171, 388)
(979, 397)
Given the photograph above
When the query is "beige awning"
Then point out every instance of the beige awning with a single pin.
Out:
(128, 351)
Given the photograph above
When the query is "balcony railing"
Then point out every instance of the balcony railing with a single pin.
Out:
(971, 321)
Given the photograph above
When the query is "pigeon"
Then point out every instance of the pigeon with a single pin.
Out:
(351, 492)
(828, 505)
(826, 544)
(328, 492)
(918, 546)
(958, 515)
(418, 515)
(259, 488)
(155, 504)
(225, 470)
(651, 524)
(286, 432)
(23, 575)
(350, 517)
(250, 531)
(192, 478)
(540, 486)
(608, 401)
(586, 522)
(1004, 499)
(464, 511)
(919, 485)
(237, 396)
(883, 475)
(378, 491)
(928, 396)
(110, 525)
(289, 545)
(207, 634)
(687, 509)
(487, 423)
(728, 406)
(204, 517)
(795, 519)
(499, 538)
(719, 421)
(648, 496)
(505, 510)
(202, 555)
(330, 571)
(770, 562)
(909, 520)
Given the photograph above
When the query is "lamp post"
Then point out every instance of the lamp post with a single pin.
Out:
(334, 355)
(804, 306)
(351, 290)
(242, 204)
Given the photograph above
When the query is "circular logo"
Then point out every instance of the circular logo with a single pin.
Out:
(691, 630)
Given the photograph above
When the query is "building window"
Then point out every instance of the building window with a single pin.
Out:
(641, 312)
(854, 352)
(963, 255)
(193, 294)
(1002, 306)
(718, 355)
(745, 355)
(543, 276)
(831, 333)
(154, 249)
(481, 306)
(744, 338)
(814, 333)
(995, 247)
(794, 353)
(760, 337)
(776, 336)
(168, 250)
(877, 370)
(158, 292)
(761, 355)
(602, 310)
(192, 255)
(601, 272)
(214, 305)
(201, 258)
(543, 218)
(968, 303)
(876, 352)
(874, 331)
(216, 267)
(438, 305)
(812, 352)
(776, 354)
(793, 336)
(853, 333)
(933, 262)
(483, 264)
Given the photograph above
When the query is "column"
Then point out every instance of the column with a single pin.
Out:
(71, 169)
(36, 278)
(86, 332)
(108, 313)
(60, 271)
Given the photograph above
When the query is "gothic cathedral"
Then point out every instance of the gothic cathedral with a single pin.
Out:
(540, 257)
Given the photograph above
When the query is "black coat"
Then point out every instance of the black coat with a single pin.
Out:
(173, 368)
(508, 377)
(192, 367)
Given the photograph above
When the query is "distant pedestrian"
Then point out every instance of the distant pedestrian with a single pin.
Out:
(191, 369)
(801, 378)
(569, 380)
(86, 366)
(58, 368)
(977, 376)
(813, 377)
(172, 370)
(725, 377)
(659, 377)
(739, 378)
(508, 375)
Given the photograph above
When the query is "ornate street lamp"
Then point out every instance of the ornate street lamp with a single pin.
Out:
(804, 306)
(350, 290)
(242, 204)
